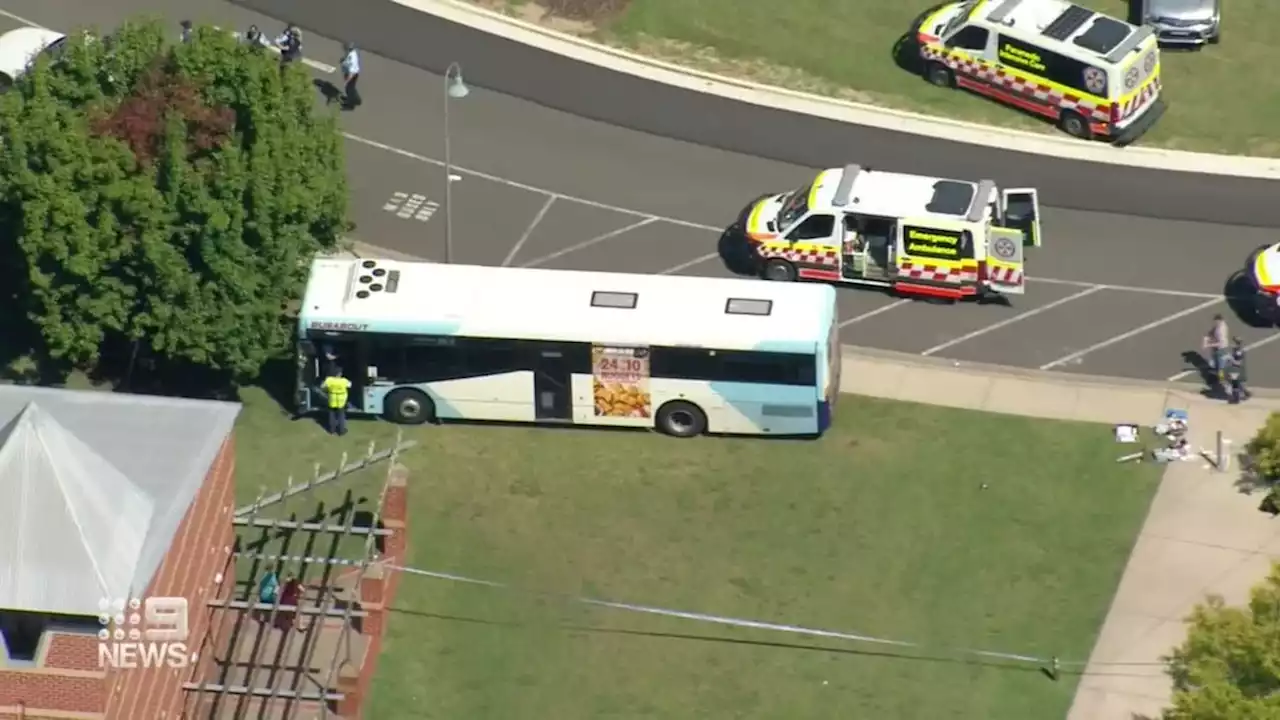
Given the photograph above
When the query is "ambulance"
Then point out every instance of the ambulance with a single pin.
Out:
(1093, 75)
(1263, 271)
(914, 235)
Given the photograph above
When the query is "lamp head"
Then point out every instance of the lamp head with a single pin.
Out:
(454, 85)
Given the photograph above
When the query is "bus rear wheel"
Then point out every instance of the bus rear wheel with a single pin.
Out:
(409, 407)
(779, 270)
(681, 419)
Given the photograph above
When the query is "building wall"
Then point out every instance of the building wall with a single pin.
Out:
(67, 678)
(200, 552)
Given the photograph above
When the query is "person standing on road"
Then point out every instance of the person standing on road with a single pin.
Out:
(1217, 344)
(350, 76)
(336, 388)
(290, 44)
(186, 31)
(255, 39)
(1235, 374)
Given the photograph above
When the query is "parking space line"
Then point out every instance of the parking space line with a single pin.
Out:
(691, 263)
(1126, 288)
(588, 243)
(873, 313)
(1009, 321)
(1125, 336)
(524, 238)
(1264, 341)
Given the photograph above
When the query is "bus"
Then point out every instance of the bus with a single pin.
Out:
(428, 342)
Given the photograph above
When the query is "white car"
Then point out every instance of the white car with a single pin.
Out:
(19, 48)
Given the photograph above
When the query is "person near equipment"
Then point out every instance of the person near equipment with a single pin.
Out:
(336, 389)
(186, 31)
(1217, 343)
(290, 44)
(290, 596)
(350, 76)
(268, 589)
(1235, 374)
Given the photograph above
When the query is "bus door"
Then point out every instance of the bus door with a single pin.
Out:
(345, 351)
(552, 385)
(307, 379)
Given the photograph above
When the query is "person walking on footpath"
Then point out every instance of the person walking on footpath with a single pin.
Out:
(350, 77)
(1217, 344)
(337, 387)
(1235, 374)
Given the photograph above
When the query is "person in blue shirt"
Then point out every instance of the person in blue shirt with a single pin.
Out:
(350, 76)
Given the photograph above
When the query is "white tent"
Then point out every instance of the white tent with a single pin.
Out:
(72, 524)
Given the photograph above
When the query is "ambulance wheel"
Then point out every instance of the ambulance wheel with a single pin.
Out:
(779, 270)
(681, 419)
(1074, 124)
(939, 75)
(409, 407)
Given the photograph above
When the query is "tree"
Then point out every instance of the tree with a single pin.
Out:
(1229, 666)
(164, 199)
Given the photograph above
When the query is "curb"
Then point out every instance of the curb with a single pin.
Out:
(576, 48)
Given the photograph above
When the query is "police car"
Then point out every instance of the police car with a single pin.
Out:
(912, 234)
(1263, 272)
(1092, 74)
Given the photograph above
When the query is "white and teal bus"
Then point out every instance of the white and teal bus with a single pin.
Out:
(427, 342)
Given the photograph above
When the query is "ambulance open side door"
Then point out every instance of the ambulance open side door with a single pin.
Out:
(1020, 209)
(1005, 273)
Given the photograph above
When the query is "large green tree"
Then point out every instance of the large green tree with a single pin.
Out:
(1229, 666)
(164, 197)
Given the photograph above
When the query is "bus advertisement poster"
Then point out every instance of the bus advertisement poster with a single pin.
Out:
(620, 378)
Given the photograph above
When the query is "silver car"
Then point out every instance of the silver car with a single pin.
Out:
(1188, 23)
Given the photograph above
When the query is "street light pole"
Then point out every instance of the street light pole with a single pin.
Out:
(453, 88)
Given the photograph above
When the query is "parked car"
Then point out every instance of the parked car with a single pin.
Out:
(19, 48)
(1187, 23)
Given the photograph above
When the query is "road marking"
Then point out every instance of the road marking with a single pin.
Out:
(1128, 288)
(20, 19)
(1009, 321)
(1264, 341)
(691, 263)
(873, 313)
(528, 231)
(588, 243)
(1125, 336)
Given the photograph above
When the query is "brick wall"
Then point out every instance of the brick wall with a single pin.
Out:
(200, 551)
(377, 594)
(68, 679)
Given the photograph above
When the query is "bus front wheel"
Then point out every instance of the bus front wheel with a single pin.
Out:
(409, 407)
(681, 419)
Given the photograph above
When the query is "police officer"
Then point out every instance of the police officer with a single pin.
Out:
(290, 44)
(186, 31)
(254, 37)
(336, 388)
(351, 76)
(1235, 374)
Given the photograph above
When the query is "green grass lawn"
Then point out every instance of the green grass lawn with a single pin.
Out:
(1223, 99)
(880, 528)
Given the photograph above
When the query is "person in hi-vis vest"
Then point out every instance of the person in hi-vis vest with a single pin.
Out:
(337, 388)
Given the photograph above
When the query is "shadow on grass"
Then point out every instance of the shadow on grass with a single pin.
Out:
(1011, 666)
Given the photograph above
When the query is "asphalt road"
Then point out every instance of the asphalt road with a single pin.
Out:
(1110, 294)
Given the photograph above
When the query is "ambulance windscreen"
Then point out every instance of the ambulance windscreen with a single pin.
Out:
(1104, 35)
(950, 197)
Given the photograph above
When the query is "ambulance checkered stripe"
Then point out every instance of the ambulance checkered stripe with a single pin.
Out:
(936, 273)
(998, 77)
(804, 257)
(1005, 276)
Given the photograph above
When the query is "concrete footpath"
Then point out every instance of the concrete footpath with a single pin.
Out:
(1201, 536)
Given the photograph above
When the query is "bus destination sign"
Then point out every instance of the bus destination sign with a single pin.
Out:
(347, 326)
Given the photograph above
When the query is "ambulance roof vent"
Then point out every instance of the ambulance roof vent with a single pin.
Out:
(1067, 23)
(1003, 11)
(845, 187)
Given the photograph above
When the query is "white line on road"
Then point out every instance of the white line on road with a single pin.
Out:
(873, 313)
(1125, 336)
(588, 243)
(515, 249)
(691, 263)
(1009, 321)
(21, 20)
(1264, 341)
(1126, 288)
